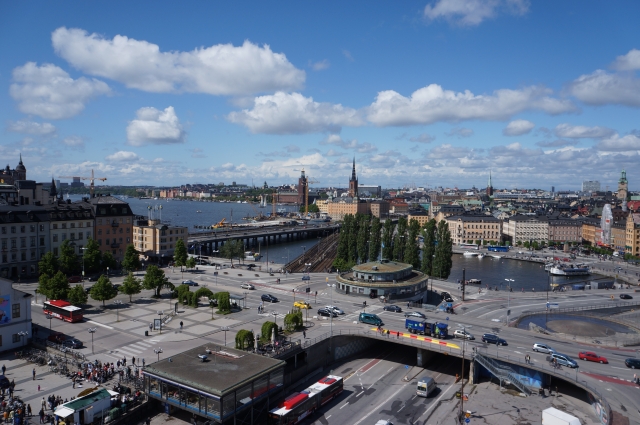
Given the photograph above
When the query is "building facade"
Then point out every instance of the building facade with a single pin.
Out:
(565, 230)
(353, 181)
(338, 208)
(70, 221)
(527, 228)
(15, 317)
(390, 279)
(623, 186)
(633, 235)
(9, 176)
(379, 209)
(24, 239)
(157, 241)
(472, 228)
(113, 224)
(591, 186)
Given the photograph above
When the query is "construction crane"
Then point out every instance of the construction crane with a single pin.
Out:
(308, 180)
(92, 179)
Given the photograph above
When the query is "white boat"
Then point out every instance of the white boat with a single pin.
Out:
(480, 256)
(469, 254)
(198, 211)
(548, 266)
(495, 256)
(252, 256)
(570, 270)
(474, 282)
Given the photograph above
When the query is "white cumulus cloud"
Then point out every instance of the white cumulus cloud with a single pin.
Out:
(518, 128)
(221, 69)
(123, 156)
(615, 143)
(292, 113)
(433, 104)
(628, 62)
(73, 142)
(602, 88)
(473, 12)
(31, 127)
(49, 92)
(155, 127)
(580, 131)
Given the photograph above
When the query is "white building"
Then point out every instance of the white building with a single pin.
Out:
(591, 186)
(15, 316)
(525, 228)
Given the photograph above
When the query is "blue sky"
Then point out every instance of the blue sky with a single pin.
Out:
(426, 93)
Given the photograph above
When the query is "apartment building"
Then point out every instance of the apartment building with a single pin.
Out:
(633, 234)
(591, 231)
(24, 239)
(338, 208)
(113, 224)
(69, 221)
(472, 228)
(565, 230)
(157, 241)
(527, 228)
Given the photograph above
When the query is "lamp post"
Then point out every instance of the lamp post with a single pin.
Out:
(331, 286)
(49, 316)
(107, 271)
(464, 343)
(158, 351)
(225, 329)
(275, 317)
(92, 331)
(160, 313)
(118, 303)
(83, 251)
(509, 299)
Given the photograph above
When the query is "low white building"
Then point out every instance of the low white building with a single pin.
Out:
(15, 316)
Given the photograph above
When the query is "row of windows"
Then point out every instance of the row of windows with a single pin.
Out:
(23, 229)
(23, 242)
(108, 231)
(115, 220)
(72, 236)
(71, 225)
(110, 241)
(13, 257)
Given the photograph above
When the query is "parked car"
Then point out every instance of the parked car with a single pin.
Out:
(543, 348)
(247, 286)
(323, 311)
(88, 289)
(626, 297)
(393, 308)
(459, 333)
(72, 343)
(632, 363)
(335, 309)
(116, 286)
(445, 294)
(301, 304)
(563, 359)
(94, 278)
(493, 339)
(56, 337)
(415, 314)
(75, 279)
(306, 277)
(269, 298)
(189, 282)
(592, 357)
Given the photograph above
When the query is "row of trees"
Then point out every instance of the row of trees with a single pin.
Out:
(364, 238)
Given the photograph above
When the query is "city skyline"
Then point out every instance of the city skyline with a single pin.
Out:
(436, 93)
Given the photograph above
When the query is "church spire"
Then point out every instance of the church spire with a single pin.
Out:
(353, 170)
(52, 191)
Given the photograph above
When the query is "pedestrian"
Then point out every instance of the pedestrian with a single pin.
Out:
(398, 335)
(143, 362)
(41, 414)
(148, 421)
(44, 404)
(133, 360)
(181, 324)
(29, 413)
(304, 334)
(150, 327)
(74, 384)
(635, 378)
(4, 369)
(34, 373)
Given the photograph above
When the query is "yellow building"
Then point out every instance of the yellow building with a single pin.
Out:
(338, 208)
(420, 218)
(323, 205)
(633, 235)
(472, 228)
(156, 241)
(591, 231)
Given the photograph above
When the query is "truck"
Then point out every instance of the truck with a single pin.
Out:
(552, 416)
(435, 329)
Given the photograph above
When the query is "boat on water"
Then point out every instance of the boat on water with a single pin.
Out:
(474, 282)
(570, 270)
(252, 256)
(480, 256)
(198, 211)
(494, 255)
(469, 254)
(548, 266)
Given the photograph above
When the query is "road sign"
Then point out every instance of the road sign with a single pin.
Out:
(554, 305)
(406, 366)
(467, 420)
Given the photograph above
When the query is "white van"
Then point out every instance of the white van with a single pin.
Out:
(425, 387)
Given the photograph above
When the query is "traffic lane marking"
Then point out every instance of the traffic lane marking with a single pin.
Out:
(611, 379)
(99, 324)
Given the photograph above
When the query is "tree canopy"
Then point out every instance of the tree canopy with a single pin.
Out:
(68, 259)
(131, 260)
(108, 261)
(231, 249)
(48, 265)
(77, 295)
(103, 290)
(180, 254)
(92, 256)
(55, 287)
(155, 279)
(444, 251)
(131, 285)
(429, 247)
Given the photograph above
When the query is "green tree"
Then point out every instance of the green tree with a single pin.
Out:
(412, 250)
(293, 320)
(374, 238)
(245, 340)
(55, 287)
(400, 239)
(191, 263)
(156, 280)
(387, 239)
(224, 305)
(180, 254)
(340, 264)
(68, 259)
(103, 290)
(429, 247)
(48, 265)
(444, 251)
(77, 295)
(267, 330)
(92, 257)
(363, 238)
(131, 261)
(131, 285)
(352, 239)
(233, 248)
(108, 261)
(313, 208)
(343, 240)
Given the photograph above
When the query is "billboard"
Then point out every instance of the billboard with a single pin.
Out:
(5, 309)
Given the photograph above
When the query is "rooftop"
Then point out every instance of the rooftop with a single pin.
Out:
(383, 266)
(225, 369)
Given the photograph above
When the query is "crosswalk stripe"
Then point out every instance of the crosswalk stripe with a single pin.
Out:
(127, 352)
(139, 346)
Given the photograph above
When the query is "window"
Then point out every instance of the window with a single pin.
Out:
(88, 235)
(4, 244)
(55, 225)
(41, 241)
(80, 235)
(55, 238)
(15, 310)
(72, 236)
(33, 255)
(4, 230)
(64, 237)
(55, 251)
(23, 256)
(32, 228)
(72, 225)
(23, 229)
(13, 229)
(14, 243)
(42, 227)
(15, 338)
(100, 221)
(88, 224)
(99, 231)
(64, 225)
(100, 242)
(4, 258)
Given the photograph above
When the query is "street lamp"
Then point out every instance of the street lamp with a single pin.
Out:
(275, 317)
(107, 271)
(92, 331)
(49, 316)
(331, 286)
(464, 341)
(118, 303)
(509, 299)
(158, 351)
(160, 313)
(225, 329)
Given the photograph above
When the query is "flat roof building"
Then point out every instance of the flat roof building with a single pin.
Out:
(229, 386)
(390, 279)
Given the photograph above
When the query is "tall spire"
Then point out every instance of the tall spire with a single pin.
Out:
(353, 170)
(489, 185)
(52, 191)
(20, 159)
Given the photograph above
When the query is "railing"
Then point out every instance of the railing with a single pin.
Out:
(583, 308)
(504, 373)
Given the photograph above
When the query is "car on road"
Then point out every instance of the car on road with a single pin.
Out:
(459, 333)
(75, 279)
(88, 289)
(323, 311)
(415, 314)
(493, 339)
(562, 359)
(269, 298)
(632, 363)
(306, 277)
(335, 309)
(72, 343)
(116, 286)
(94, 278)
(543, 348)
(392, 307)
(247, 286)
(302, 304)
(626, 297)
(447, 300)
(189, 282)
(58, 337)
(592, 357)
(445, 294)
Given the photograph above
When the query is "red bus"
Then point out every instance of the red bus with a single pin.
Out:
(62, 310)
(300, 405)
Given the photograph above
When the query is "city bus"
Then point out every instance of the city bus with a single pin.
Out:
(469, 246)
(496, 248)
(300, 405)
(63, 310)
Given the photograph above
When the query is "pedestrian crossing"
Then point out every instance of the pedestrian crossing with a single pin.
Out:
(135, 349)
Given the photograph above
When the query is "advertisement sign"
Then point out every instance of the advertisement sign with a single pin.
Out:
(5, 309)
(156, 324)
